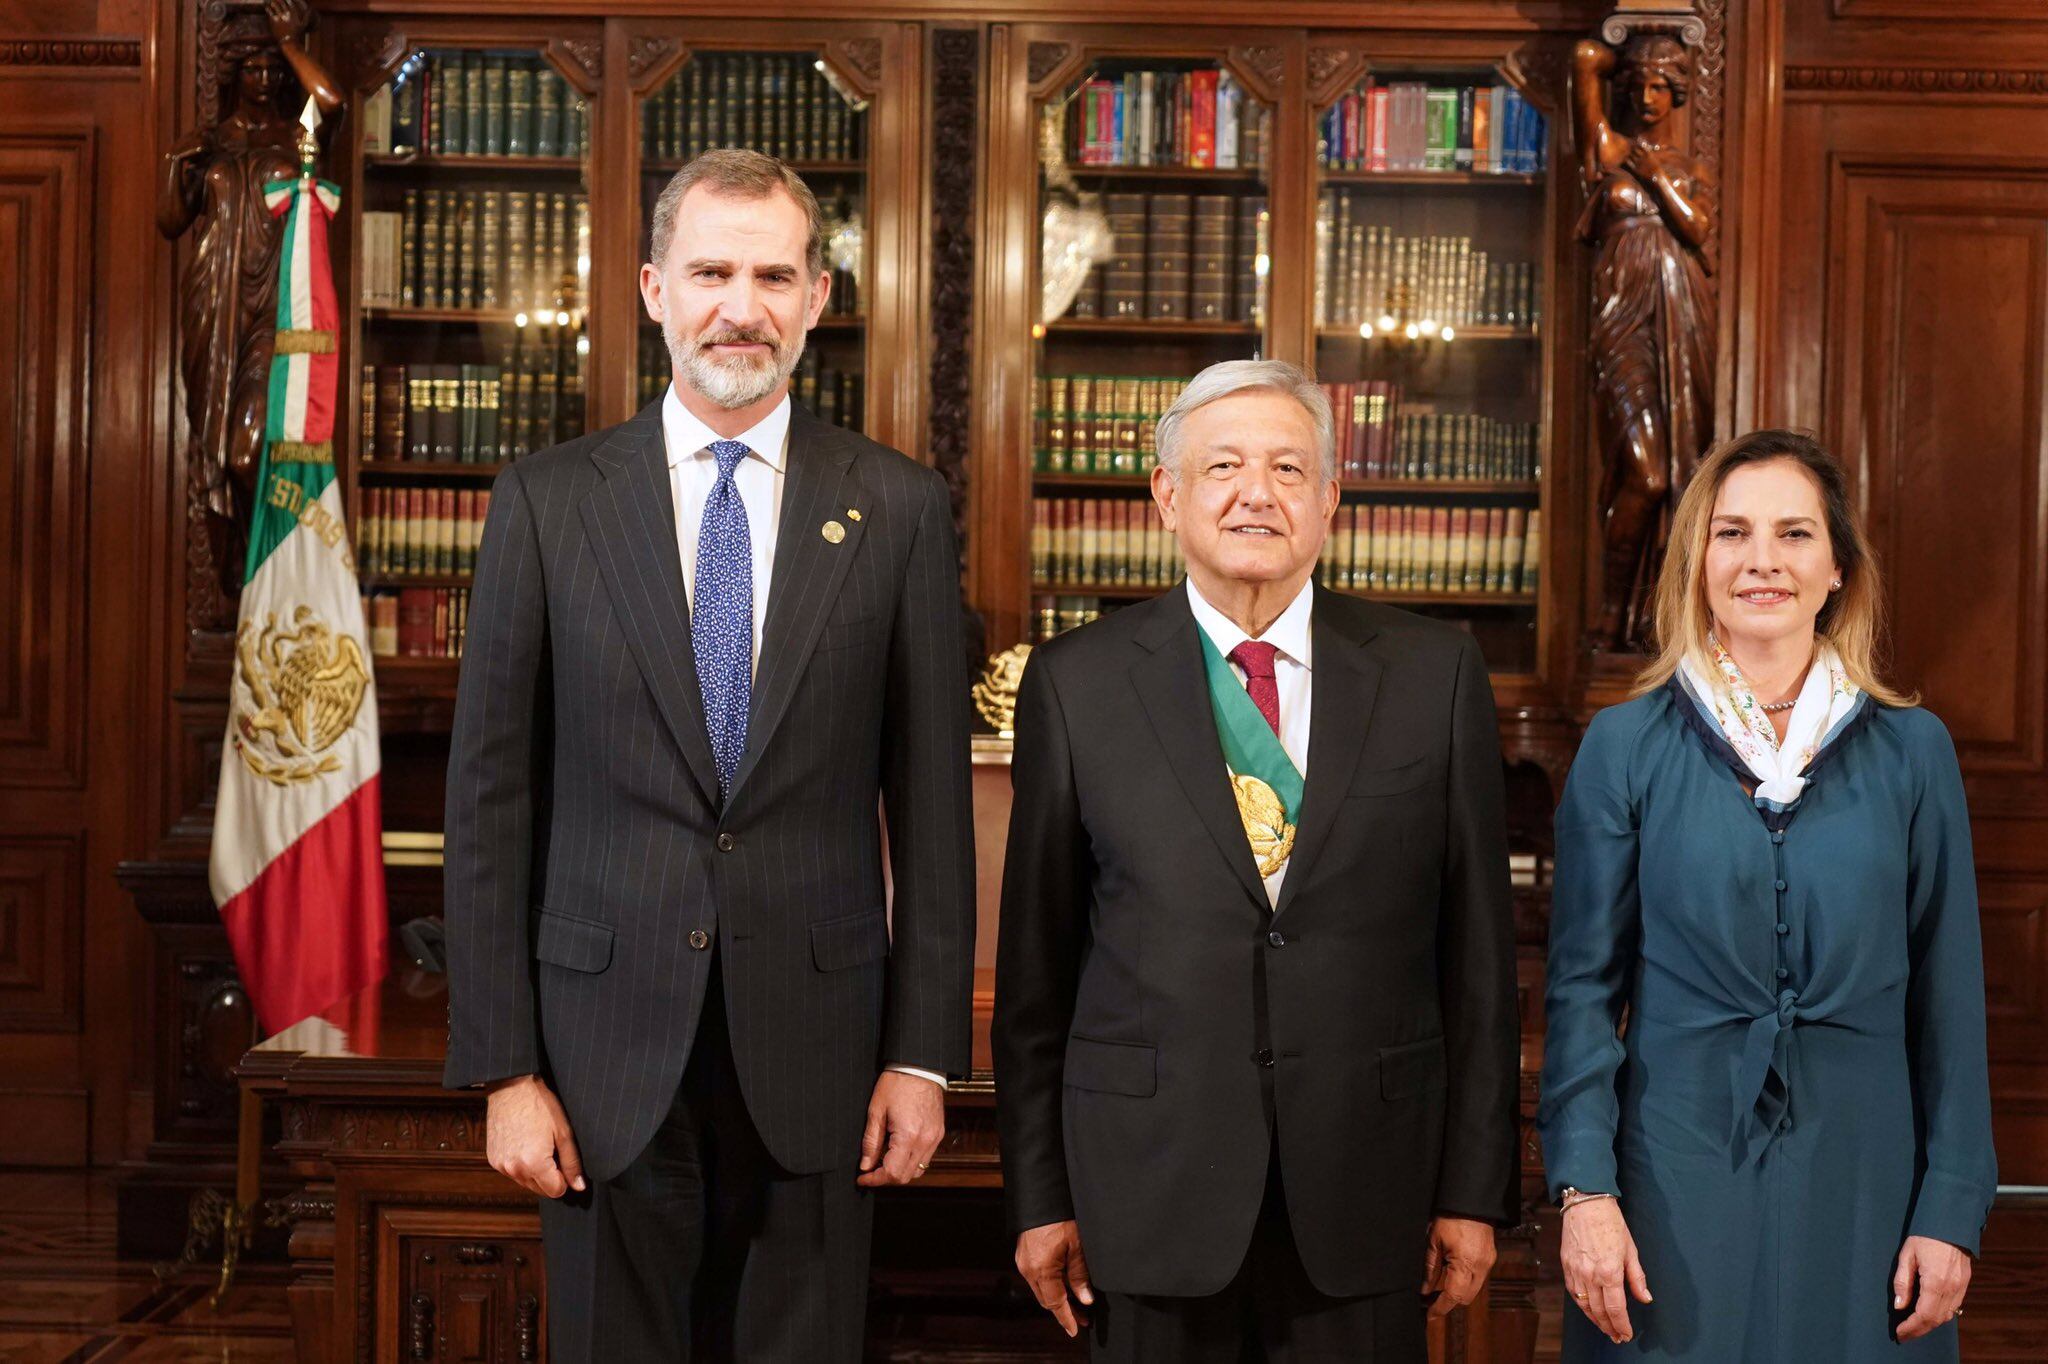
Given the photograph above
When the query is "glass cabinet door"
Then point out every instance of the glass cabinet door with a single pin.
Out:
(1430, 235)
(1153, 253)
(793, 105)
(473, 275)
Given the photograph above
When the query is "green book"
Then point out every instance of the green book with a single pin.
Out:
(519, 108)
(470, 235)
(508, 397)
(801, 123)
(1440, 127)
(486, 416)
(455, 111)
(447, 425)
(467, 396)
(693, 109)
(547, 113)
(438, 112)
(518, 249)
(419, 412)
(473, 103)
(728, 106)
(494, 106)
(490, 264)
(409, 252)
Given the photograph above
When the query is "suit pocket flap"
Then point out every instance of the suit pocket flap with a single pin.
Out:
(1389, 781)
(1113, 1067)
(1413, 1068)
(858, 938)
(578, 944)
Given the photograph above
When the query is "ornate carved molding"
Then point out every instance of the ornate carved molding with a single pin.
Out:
(1046, 58)
(956, 97)
(1332, 68)
(585, 55)
(1709, 86)
(861, 58)
(1915, 80)
(71, 52)
(1541, 70)
(1267, 67)
(1618, 27)
(451, 1129)
(645, 52)
(368, 59)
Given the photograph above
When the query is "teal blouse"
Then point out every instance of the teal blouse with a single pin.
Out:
(1768, 1042)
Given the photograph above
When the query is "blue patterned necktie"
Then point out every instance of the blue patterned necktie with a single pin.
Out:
(722, 616)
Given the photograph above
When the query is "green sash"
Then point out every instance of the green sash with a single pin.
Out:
(1263, 778)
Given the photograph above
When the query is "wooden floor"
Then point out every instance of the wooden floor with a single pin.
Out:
(65, 1296)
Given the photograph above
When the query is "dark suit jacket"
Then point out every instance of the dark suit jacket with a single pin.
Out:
(586, 846)
(1133, 918)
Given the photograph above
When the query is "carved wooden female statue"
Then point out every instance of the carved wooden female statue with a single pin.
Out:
(1649, 210)
(212, 183)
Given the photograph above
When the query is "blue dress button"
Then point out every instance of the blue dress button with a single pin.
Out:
(1783, 973)
(1777, 885)
(1778, 837)
(1783, 929)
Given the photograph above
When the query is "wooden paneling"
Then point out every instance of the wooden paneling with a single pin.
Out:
(46, 186)
(1895, 300)
(40, 967)
(1941, 313)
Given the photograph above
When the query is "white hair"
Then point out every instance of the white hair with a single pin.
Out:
(1237, 376)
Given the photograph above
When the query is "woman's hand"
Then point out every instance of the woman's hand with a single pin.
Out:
(1944, 1274)
(1599, 1256)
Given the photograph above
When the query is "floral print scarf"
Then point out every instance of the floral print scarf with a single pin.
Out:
(1827, 703)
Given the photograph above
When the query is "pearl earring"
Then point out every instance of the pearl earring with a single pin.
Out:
(1835, 586)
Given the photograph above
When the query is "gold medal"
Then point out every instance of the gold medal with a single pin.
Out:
(1265, 822)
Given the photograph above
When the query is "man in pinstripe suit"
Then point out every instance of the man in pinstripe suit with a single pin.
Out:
(702, 646)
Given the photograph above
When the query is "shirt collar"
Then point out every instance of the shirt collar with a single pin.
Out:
(1289, 633)
(688, 437)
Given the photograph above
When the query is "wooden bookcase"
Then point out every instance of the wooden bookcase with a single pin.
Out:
(540, 244)
(1508, 371)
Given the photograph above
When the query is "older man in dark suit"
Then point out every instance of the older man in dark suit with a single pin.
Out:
(1255, 1034)
(702, 645)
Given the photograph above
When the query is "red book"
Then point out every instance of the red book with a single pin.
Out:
(1376, 129)
(1204, 129)
(415, 621)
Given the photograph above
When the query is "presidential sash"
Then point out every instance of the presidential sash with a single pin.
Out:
(1263, 778)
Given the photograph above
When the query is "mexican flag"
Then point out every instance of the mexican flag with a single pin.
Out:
(297, 866)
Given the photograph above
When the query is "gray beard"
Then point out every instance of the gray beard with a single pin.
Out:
(736, 381)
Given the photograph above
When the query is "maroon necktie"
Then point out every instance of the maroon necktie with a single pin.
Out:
(1257, 661)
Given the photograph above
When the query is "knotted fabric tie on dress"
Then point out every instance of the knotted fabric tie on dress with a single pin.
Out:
(1256, 659)
(722, 615)
(1763, 1108)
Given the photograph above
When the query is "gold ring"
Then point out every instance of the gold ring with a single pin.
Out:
(922, 1168)
(1580, 1296)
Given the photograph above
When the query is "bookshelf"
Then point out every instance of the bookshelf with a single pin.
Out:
(472, 251)
(791, 104)
(1410, 241)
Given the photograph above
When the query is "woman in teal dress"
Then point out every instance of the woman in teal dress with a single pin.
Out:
(1766, 1110)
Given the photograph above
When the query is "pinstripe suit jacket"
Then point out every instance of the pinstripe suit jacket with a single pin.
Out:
(587, 847)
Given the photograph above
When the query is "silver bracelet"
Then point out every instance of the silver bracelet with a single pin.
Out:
(1569, 1198)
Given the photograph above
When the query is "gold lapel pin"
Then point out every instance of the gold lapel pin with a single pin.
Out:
(833, 532)
(853, 513)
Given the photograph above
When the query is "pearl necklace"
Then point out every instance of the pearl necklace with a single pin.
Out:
(1778, 705)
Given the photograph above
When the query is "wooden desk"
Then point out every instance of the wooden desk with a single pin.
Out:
(405, 1244)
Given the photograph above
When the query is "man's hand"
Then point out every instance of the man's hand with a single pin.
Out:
(1944, 1274)
(906, 1118)
(528, 1140)
(1459, 1258)
(1050, 1259)
(1599, 1257)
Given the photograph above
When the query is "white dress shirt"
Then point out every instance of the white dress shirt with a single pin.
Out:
(693, 473)
(1292, 675)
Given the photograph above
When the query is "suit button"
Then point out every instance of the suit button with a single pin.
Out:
(1264, 1056)
(699, 939)
(726, 842)
(1277, 939)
